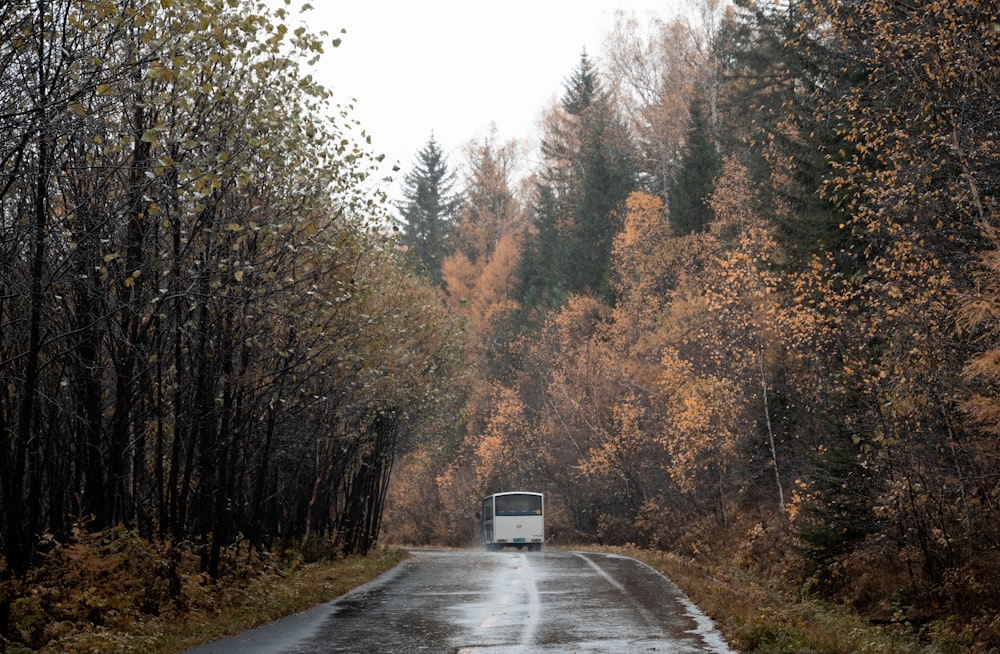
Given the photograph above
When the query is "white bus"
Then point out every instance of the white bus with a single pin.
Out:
(514, 520)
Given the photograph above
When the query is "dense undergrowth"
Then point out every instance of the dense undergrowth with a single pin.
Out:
(114, 591)
(761, 594)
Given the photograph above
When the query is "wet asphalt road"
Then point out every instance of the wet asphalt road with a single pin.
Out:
(466, 602)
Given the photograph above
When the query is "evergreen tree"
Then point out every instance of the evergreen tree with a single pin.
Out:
(581, 88)
(777, 74)
(587, 174)
(428, 210)
(695, 180)
(542, 271)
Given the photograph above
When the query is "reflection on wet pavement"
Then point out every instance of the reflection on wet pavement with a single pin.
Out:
(467, 602)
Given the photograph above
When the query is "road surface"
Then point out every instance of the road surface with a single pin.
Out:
(466, 602)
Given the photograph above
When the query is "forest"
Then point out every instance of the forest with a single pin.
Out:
(745, 306)
(205, 335)
(744, 301)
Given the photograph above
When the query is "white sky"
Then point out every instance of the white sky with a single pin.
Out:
(453, 67)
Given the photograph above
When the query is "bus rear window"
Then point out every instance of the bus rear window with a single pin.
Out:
(519, 505)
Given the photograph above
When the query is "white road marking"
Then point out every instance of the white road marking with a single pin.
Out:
(489, 622)
(608, 578)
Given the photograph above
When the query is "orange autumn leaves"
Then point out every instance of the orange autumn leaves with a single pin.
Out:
(651, 395)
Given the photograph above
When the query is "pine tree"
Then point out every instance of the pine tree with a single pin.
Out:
(581, 88)
(588, 173)
(428, 210)
(542, 272)
(689, 191)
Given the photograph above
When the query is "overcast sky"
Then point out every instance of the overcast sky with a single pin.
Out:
(452, 67)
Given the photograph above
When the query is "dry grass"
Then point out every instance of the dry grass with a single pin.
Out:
(769, 615)
(116, 592)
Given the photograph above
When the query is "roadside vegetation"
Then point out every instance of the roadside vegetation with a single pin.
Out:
(760, 606)
(114, 592)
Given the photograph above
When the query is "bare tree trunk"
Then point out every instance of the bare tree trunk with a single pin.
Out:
(770, 428)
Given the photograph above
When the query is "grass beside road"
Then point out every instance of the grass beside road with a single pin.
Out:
(114, 592)
(273, 596)
(762, 616)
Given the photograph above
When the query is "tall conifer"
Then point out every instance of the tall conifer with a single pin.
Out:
(428, 209)
(695, 180)
(587, 174)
